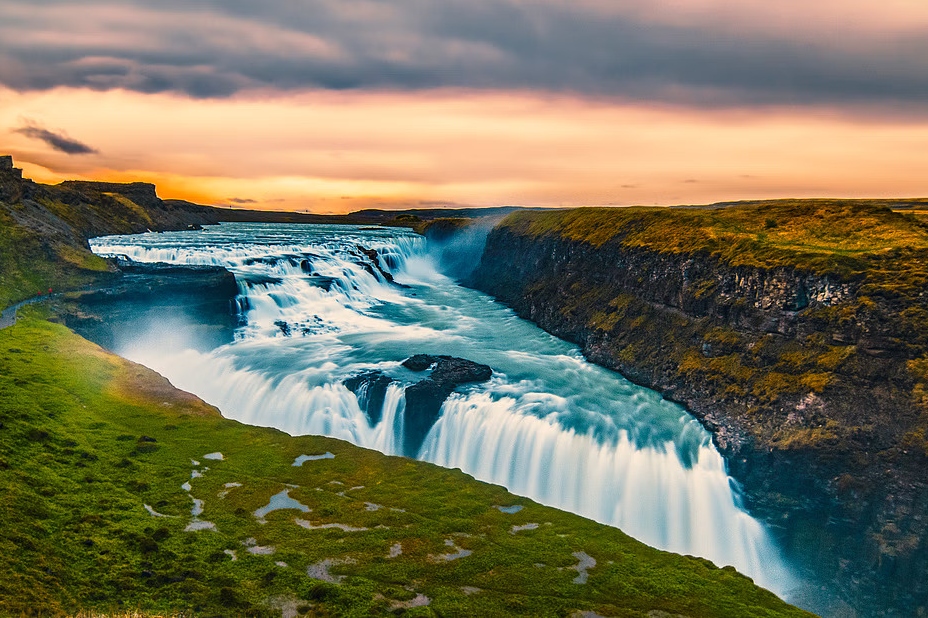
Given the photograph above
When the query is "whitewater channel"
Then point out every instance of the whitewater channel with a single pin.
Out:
(549, 425)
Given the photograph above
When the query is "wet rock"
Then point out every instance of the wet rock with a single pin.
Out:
(373, 256)
(424, 399)
(371, 390)
(144, 294)
(448, 369)
(423, 406)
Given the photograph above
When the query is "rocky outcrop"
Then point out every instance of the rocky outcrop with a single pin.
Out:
(371, 390)
(813, 386)
(423, 399)
(201, 299)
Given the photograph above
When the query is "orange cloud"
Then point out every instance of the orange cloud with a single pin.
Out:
(334, 152)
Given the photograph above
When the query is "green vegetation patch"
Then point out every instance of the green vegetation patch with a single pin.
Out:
(116, 499)
(30, 264)
(822, 236)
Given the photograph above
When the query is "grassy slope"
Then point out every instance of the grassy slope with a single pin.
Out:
(75, 474)
(30, 264)
(821, 236)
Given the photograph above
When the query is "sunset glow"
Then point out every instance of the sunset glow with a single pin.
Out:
(199, 123)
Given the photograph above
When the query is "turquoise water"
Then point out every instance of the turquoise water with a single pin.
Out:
(549, 425)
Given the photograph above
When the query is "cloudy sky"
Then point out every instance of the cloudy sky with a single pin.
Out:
(333, 105)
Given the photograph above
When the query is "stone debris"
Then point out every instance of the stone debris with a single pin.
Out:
(214, 456)
(320, 570)
(299, 461)
(515, 529)
(280, 501)
(343, 527)
(586, 562)
(281, 564)
(195, 474)
(194, 462)
(370, 506)
(509, 510)
(231, 554)
(469, 590)
(395, 550)
(186, 486)
(459, 553)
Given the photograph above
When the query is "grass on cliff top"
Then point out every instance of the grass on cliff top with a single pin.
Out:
(87, 439)
(824, 236)
(30, 264)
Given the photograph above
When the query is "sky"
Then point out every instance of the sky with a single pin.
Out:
(336, 105)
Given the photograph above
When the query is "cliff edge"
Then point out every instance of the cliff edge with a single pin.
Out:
(796, 331)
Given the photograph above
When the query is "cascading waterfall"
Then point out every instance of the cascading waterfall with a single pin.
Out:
(320, 307)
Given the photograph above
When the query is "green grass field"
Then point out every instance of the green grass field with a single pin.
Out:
(88, 439)
(844, 237)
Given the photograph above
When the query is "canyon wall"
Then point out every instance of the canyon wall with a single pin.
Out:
(811, 382)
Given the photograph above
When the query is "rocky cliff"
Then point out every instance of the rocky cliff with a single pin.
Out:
(796, 332)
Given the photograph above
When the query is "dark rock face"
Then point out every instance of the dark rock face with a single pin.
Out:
(147, 293)
(423, 399)
(448, 369)
(423, 405)
(805, 381)
(374, 263)
(371, 390)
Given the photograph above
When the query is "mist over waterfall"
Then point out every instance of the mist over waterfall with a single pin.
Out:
(328, 307)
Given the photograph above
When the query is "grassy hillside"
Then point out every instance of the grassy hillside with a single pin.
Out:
(88, 439)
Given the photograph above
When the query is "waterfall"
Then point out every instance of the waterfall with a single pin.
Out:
(324, 305)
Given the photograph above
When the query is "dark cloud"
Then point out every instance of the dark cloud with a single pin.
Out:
(58, 141)
(215, 48)
(241, 200)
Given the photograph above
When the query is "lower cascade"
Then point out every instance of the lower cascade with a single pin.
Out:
(355, 333)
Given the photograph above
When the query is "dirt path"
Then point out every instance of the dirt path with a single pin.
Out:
(8, 316)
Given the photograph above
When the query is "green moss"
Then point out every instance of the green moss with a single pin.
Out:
(841, 237)
(773, 384)
(834, 356)
(88, 439)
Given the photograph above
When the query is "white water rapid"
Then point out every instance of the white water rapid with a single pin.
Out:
(548, 425)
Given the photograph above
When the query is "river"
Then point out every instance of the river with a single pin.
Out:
(549, 425)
